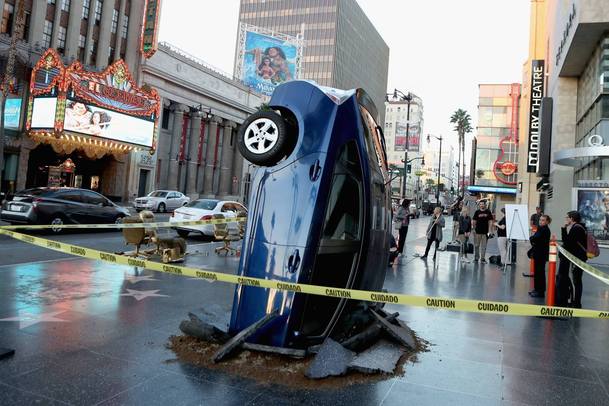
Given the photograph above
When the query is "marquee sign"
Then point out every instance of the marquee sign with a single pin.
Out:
(71, 108)
(537, 92)
(150, 28)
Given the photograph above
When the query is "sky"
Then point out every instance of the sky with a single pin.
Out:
(439, 49)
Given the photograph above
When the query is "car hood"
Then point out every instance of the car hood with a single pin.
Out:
(150, 199)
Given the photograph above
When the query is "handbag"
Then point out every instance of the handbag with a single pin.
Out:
(530, 253)
(397, 225)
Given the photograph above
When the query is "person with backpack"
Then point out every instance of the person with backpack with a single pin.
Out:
(575, 241)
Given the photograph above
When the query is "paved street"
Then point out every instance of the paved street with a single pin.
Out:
(87, 332)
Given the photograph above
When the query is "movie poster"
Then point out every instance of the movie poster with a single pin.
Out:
(267, 62)
(593, 205)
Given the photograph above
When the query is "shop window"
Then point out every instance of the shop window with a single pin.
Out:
(7, 18)
(65, 5)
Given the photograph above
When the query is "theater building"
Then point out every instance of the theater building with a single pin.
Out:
(202, 109)
(82, 126)
(568, 137)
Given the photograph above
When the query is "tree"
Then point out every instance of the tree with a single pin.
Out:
(463, 125)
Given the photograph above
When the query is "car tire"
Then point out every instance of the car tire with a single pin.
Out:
(183, 233)
(162, 208)
(263, 138)
(57, 220)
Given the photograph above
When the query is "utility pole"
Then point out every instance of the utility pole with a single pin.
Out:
(8, 76)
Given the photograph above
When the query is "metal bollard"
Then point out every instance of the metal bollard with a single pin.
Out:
(552, 274)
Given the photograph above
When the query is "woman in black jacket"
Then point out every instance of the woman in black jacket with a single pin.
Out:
(575, 241)
(540, 252)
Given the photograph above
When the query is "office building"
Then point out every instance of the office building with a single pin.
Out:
(342, 49)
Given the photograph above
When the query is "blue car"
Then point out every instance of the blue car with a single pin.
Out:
(320, 209)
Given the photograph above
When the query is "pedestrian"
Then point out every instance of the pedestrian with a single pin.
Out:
(481, 223)
(456, 215)
(535, 218)
(464, 228)
(403, 219)
(539, 252)
(393, 251)
(575, 241)
(502, 240)
(434, 232)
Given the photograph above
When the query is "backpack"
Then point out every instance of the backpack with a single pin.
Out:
(592, 250)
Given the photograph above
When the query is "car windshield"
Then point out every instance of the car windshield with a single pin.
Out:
(158, 194)
(204, 204)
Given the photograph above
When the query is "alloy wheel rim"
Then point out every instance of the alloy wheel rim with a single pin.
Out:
(261, 136)
(56, 222)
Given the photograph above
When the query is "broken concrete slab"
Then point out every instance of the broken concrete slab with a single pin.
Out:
(402, 335)
(332, 359)
(195, 327)
(290, 352)
(382, 357)
(367, 337)
(240, 338)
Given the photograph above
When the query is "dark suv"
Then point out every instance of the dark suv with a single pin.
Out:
(320, 210)
(58, 206)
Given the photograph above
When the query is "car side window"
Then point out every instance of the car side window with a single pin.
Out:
(344, 215)
(72, 196)
(240, 208)
(374, 143)
(226, 207)
(93, 198)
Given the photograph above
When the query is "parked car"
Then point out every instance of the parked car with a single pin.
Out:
(204, 209)
(320, 210)
(59, 206)
(415, 212)
(161, 201)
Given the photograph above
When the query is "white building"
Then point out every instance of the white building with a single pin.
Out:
(396, 124)
(448, 170)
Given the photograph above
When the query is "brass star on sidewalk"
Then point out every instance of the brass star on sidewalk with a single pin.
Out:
(136, 279)
(142, 294)
(27, 319)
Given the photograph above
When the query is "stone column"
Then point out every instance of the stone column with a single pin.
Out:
(201, 168)
(208, 179)
(39, 11)
(56, 21)
(174, 149)
(193, 146)
(89, 37)
(104, 33)
(73, 33)
(119, 31)
(226, 162)
(237, 169)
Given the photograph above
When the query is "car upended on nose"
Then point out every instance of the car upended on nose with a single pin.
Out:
(319, 210)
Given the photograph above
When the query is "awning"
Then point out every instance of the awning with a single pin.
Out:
(575, 157)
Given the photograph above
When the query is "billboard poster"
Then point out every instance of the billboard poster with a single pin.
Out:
(593, 205)
(92, 120)
(414, 139)
(12, 113)
(266, 60)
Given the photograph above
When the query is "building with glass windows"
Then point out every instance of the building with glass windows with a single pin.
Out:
(570, 159)
(494, 166)
(342, 48)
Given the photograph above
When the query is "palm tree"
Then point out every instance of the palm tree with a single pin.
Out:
(463, 125)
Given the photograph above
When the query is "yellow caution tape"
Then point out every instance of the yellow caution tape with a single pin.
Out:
(603, 277)
(465, 305)
(123, 225)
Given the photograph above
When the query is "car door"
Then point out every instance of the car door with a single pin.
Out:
(100, 209)
(173, 200)
(73, 206)
(182, 199)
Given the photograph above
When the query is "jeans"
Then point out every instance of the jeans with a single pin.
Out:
(402, 239)
(479, 246)
(463, 240)
(540, 275)
(502, 242)
(455, 230)
(429, 242)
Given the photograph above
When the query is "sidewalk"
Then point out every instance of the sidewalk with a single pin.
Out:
(93, 333)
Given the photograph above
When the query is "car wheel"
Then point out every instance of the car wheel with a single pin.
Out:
(119, 220)
(183, 233)
(263, 138)
(56, 223)
(162, 208)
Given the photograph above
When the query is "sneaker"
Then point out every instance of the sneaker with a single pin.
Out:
(424, 257)
(483, 261)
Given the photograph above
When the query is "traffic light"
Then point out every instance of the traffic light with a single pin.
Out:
(409, 168)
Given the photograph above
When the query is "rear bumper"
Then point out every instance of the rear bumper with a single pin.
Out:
(17, 217)
(207, 229)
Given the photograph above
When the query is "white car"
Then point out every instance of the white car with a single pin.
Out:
(161, 201)
(204, 209)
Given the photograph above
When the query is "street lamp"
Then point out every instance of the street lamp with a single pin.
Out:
(397, 94)
(439, 165)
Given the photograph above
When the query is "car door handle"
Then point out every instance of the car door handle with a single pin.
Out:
(294, 261)
(314, 171)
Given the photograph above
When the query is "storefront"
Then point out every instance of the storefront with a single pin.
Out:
(85, 125)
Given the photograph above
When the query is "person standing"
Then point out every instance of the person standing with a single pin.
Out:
(456, 215)
(535, 218)
(434, 232)
(403, 218)
(464, 229)
(481, 223)
(575, 241)
(540, 251)
(502, 240)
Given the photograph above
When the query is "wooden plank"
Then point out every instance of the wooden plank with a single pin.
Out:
(290, 352)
